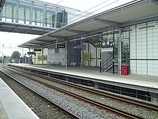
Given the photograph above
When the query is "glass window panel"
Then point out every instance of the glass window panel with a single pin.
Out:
(38, 16)
(33, 16)
(8, 11)
(27, 14)
(21, 13)
(3, 11)
(14, 12)
(49, 19)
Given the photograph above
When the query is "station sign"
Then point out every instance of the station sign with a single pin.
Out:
(31, 53)
(37, 49)
(60, 46)
(40, 57)
(110, 43)
(106, 49)
(79, 47)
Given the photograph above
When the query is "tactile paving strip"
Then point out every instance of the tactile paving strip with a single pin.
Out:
(3, 114)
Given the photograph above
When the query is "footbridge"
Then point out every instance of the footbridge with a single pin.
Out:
(33, 16)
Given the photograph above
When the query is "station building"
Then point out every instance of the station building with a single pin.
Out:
(126, 35)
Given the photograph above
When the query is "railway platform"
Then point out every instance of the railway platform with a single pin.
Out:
(11, 106)
(135, 82)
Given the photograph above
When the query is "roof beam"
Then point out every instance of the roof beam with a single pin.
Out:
(44, 40)
(76, 31)
(53, 36)
(36, 43)
(26, 46)
(111, 23)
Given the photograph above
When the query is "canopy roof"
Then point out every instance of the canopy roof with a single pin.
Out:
(131, 13)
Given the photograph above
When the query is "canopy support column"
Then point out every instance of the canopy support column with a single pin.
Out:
(66, 51)
(42, 55)
(119, 52)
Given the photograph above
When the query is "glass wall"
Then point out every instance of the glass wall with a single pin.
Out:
(144, 48)
(34, 14)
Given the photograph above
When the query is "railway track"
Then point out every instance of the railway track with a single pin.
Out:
(69, 113)
(124, 114)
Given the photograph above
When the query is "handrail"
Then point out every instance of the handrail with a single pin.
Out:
(107, 63)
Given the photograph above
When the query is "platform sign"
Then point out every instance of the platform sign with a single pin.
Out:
(106, 49)
(40, 58)
(60, 46)
(79, 47)
(37, 49)
(110, 43)
(31, 53)
(87, 57)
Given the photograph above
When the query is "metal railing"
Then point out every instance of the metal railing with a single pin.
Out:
(107, 64)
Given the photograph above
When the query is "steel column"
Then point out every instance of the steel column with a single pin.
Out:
(119, 52)
(66, 51)
(17, 12)
(1, 16)
(24, 15)
(100, 61)
(82, 61)
(42, 55)
(12, 13)
(55, 19)
(29, 56)
(146, 49)
(44, 16)
(31, 13)
(113, 54)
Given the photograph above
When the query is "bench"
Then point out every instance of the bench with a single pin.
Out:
(73, 64)
(82, 64)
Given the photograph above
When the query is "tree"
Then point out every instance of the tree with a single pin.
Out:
(15, 55)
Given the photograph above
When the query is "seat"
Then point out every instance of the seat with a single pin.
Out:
(73, 64)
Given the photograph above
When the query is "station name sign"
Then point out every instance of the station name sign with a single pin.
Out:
(106, 49)
(31, 53)
(79, 47)
(60, 46)
(37, 49)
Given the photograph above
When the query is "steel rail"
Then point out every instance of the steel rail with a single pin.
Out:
(72, 114)
(100, 105)
(101, 92)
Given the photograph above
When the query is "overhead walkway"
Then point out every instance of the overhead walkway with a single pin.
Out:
(33, 17)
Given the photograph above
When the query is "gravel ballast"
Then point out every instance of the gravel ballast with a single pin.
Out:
(42, 108)
(86, 111)
(82, 109)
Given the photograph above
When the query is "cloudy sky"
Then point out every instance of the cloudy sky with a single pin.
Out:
(10, 41)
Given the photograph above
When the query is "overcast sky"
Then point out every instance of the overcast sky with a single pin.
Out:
(10, 40)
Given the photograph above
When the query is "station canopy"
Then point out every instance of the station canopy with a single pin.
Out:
(134, 12)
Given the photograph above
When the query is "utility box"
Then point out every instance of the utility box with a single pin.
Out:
(125, 70)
